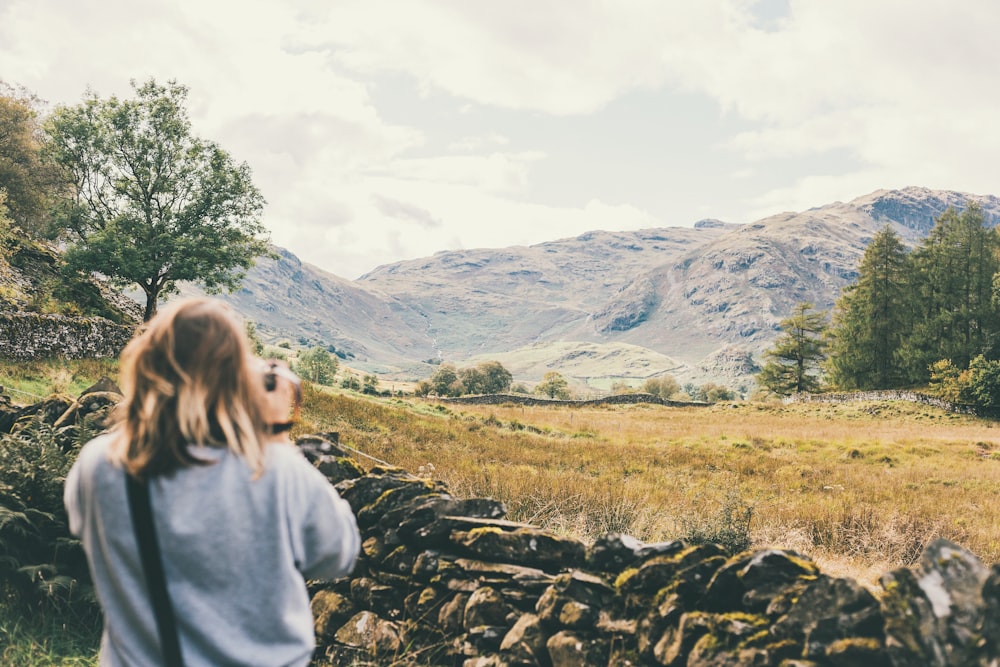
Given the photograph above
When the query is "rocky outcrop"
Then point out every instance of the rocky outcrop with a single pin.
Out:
(447, 581)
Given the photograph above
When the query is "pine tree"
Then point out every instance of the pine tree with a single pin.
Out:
(793, 362)
(872, 318)
(953, 270)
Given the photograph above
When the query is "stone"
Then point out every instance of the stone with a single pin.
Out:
(366, 631)
(830, 609)
(436, 534)
(363, 491)
(729, 642)
(933, 614)
(613, 552)
(529, 546)
(694, 564)
(487, 607)
(407, 520)
(568, 649)
(330, 610)
(485, 638)
(749, 581)
(422, 604)
(451, 618)
(677, 641)
(370, 594)
(853, 651)
(399, 561)
(525, 642)
(991, 614)
(395, 498)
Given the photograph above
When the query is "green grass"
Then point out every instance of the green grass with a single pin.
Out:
(42, 640)
(25, 381)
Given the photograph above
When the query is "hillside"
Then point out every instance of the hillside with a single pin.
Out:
(703, 300)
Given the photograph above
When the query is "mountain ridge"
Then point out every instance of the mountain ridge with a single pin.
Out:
(706, 298)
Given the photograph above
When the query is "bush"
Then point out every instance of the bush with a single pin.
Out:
(42, 567)
(728, 527)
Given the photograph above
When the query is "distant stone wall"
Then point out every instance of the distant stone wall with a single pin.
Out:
(521, 399)
(446, 581)
(27, 336)
(890, 395)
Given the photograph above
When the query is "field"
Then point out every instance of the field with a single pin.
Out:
(861, 488)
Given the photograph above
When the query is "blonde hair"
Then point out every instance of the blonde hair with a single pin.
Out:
(189, 377)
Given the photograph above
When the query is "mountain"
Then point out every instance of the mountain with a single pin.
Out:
(291, 300)
(699, 302)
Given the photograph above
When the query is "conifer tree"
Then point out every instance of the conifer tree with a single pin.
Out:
(872, 319)
(953, 271)
(794, 361)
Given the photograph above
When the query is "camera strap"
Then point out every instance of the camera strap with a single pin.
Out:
(152, 565)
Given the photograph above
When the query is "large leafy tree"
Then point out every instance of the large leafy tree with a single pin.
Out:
(793, 363)
(30, 182)
(956, 316)
(872, 319)
(153, 203)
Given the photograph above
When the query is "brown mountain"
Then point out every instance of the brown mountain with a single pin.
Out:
(699, 302)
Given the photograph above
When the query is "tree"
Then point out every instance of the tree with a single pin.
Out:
(664, 387)
(872, 318)
(369, 384)
(496, 378)
(553, 385)
(153, 203)
(317, 365)
(984, 382)
(29, 181)
(714, 393)
(794, 360)
(956, 316)
(256, 344)
(445, 381)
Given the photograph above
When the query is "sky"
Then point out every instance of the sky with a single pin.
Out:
(383, 130)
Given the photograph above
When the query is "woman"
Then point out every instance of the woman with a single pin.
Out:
(240, 517)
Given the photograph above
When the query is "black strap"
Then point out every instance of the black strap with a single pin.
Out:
(152, 565)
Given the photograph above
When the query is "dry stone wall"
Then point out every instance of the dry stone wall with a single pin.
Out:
(27, 336)
(448, 581)
(521, 399)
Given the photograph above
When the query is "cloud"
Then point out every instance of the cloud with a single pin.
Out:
(905, 89)
(403, 211)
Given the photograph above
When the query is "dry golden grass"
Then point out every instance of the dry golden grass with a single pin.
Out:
(861, 488)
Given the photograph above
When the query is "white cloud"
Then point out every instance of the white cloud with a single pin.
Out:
(905, 89)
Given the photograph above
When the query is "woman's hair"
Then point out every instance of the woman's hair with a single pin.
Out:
(189, 377)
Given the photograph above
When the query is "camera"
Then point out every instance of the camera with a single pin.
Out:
(271, 373)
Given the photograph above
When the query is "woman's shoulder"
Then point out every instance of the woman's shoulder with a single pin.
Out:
(97, 451)
(286, 458)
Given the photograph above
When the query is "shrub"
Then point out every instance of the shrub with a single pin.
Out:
(729, 526)
(42, 567)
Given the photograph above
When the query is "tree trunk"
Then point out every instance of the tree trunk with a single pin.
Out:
(151, 299)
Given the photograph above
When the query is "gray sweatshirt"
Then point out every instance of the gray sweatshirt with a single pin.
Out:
(236, 552)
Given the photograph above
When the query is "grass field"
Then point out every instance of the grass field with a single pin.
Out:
(861, 488)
